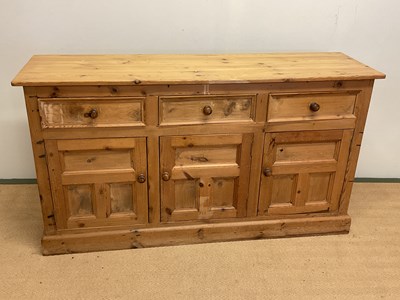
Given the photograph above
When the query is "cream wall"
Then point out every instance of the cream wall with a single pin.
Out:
(368, 30)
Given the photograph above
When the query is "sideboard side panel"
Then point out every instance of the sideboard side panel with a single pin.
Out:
(39, 155)
(361, 111)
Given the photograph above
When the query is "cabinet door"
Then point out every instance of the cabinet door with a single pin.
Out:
(204, 176)
(98, 182)
(303, 171)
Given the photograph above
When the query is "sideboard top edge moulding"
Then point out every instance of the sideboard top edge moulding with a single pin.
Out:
(153, 69)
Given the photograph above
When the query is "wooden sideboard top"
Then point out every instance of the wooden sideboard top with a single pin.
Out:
(50, 70)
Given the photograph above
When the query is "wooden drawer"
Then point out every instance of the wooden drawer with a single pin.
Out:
(91, 112)
(296, 107)
(206, 109)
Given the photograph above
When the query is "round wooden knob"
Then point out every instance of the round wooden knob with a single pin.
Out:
(267, 172)
(165, 176)
(314, 106)
(93, 114)
(207, 110)
(141, 178)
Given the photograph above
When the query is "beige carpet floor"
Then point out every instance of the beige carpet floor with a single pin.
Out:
(364, 264)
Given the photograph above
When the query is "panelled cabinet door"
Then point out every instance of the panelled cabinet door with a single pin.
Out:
(98, 182)
(303, 171)
(204, 176)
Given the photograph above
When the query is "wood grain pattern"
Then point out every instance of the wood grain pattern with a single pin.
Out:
(287, 153)
(121, 195)
(254, 180)
(307, 179)
(45, 70)
(311, 125)
(153, 169)
(296, 107)
(190, 110)
(72, 113)
(262, 90)
(193, 234)
(245, 156)
(97, 185)
(204, 170)
(39, 154)
(319, 187)
(61, 207)
(79, 198)
(362, 105)
(96, 160)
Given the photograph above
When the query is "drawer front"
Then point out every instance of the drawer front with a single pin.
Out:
(91, 112)
(207, 109)
(311, 106)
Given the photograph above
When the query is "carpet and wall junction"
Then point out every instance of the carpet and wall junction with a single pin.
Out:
(364, 264)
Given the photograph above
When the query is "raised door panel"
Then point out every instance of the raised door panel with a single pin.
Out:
(98, 182)
(204, 176)
(303, 171)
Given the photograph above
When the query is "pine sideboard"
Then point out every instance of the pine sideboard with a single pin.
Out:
(137, 151)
